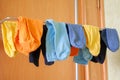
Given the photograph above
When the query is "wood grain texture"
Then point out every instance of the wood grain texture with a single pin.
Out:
(19, 68)
(92, 15)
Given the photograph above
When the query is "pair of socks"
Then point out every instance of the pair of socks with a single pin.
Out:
(76, 35)
(8, 34)
(92, 39)
(111, 39)
(28, 35)
(34, 56)
(74, 51)
(57, 41)
(101, 57)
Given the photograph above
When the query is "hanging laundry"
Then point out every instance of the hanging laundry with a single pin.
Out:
(34, 56)
(74, 51)
(87, 55)
(102, 55)
(8, 34)
(83, 56)
(57, 41)
(92, 39)
(76, 35)
(111, 39)
(28, 35)
(50, 46)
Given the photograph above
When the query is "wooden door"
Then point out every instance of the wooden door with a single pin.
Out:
(92, 13)
(19, 68)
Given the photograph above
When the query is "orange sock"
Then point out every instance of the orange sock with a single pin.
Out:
(28, 35)
(74, 51)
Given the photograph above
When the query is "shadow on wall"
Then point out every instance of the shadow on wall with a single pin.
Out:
(113, 65)
(114, 57)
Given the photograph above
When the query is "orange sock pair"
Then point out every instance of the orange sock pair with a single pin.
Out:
(28, 35)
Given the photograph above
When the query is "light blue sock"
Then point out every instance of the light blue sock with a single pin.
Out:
(50, 46)
(57, 42)
(62, 44)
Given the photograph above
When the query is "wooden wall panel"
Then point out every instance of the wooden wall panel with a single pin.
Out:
(92, 13)
(19, 68)
(60, 10)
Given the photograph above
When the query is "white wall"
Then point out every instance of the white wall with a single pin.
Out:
(112, 20)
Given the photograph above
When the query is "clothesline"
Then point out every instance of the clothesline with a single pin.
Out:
(15, 19)
(8, 18)
(57, 40)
